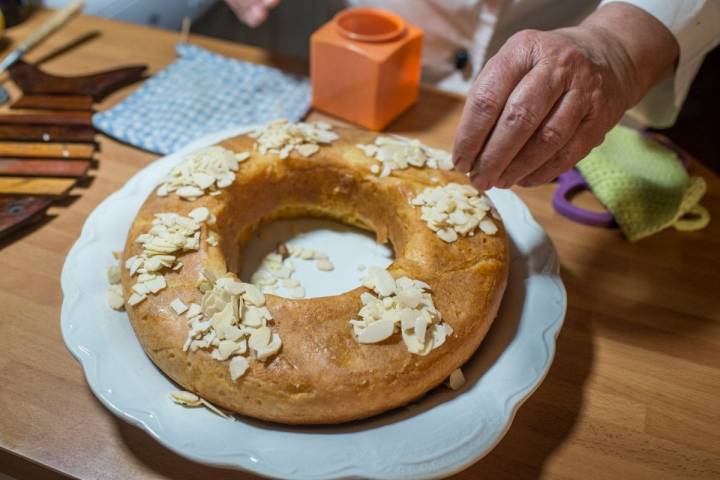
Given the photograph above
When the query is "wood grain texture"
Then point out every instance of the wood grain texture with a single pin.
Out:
(44, 167)
(54, 187)
(632, 393)
(31, 79)
(47, 133)
(58, 118)
(47, 149)
(18, 211)
(53, 102)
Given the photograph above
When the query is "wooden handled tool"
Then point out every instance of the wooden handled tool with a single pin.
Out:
(62, 118)
(44, 150)
(53, 102)
(45, 186)
(47, 133)
(56, 21)
(44, 167)
(17, 212)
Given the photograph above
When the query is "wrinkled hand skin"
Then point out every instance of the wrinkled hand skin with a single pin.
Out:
(251, 12)
(547, 98)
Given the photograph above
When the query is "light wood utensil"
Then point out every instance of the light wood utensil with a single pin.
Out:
(45, 186)
(47, 150)
(43, 167)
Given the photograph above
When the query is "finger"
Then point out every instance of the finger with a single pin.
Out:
(486, 100)
(584, 140)
(528, 104)
(238, 7)
(555, 132)
(255, 15)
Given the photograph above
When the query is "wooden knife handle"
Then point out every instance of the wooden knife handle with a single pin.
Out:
(47, 133)
(53, 102)
(43, 168)
(17, 212)
(45, 186)
(62, 118)
(40, 150)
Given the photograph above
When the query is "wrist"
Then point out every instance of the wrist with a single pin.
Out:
(640, 49)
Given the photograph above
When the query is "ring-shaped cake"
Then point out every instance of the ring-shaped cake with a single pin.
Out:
(314, 366)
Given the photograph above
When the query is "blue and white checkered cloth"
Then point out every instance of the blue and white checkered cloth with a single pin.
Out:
(200, 93)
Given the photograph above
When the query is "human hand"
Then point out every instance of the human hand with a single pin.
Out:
(252, 12)
(547, 98)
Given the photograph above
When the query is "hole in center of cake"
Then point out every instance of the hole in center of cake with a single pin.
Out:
(310, 257)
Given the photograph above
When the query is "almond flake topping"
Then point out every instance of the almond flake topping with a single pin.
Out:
(203, 171)
(455, 210)
(281, 137)
(171, 234)
(231, 321)
(190, 400)
(184, 398)
(277, 269)
(115, 298)
(114, 293)
(456, 379)
(398, 153)
(399, 305)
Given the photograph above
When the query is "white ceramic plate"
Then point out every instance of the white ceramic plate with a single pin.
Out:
(443, 433)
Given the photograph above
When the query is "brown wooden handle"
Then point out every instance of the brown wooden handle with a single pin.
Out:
(31, 79)
(44, 186)
(52, 150)
(53, 102)
(47, 133)
(43, 168)
(64, 118)
(17, 211)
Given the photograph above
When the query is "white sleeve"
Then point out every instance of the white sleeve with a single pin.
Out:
(696, 26)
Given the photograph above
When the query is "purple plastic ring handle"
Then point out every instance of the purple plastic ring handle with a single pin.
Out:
(571, 183)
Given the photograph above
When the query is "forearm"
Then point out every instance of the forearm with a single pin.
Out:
(649, 50)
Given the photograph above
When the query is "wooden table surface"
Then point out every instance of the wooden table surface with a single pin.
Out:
(634, 391)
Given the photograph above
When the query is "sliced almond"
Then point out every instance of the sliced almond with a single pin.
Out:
(456, 379)
(115, 298)
(307, 149)
(271, 349)
(114, 275)
(186, 399)
(199, 214)
(259, 338)
(377, 332)
(178, 306)
(238, 366)
(324, 265)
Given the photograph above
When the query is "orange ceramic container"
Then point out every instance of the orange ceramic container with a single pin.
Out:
(365, 66)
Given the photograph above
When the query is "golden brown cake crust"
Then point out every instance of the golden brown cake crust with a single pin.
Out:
(322, 375)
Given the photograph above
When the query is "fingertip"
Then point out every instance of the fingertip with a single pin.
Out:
(479, 183)
(461, 163)
(255, 15)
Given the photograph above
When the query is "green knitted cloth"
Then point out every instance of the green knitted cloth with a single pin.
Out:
(643, 184)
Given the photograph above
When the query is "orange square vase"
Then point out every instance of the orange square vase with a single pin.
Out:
(365, 66)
